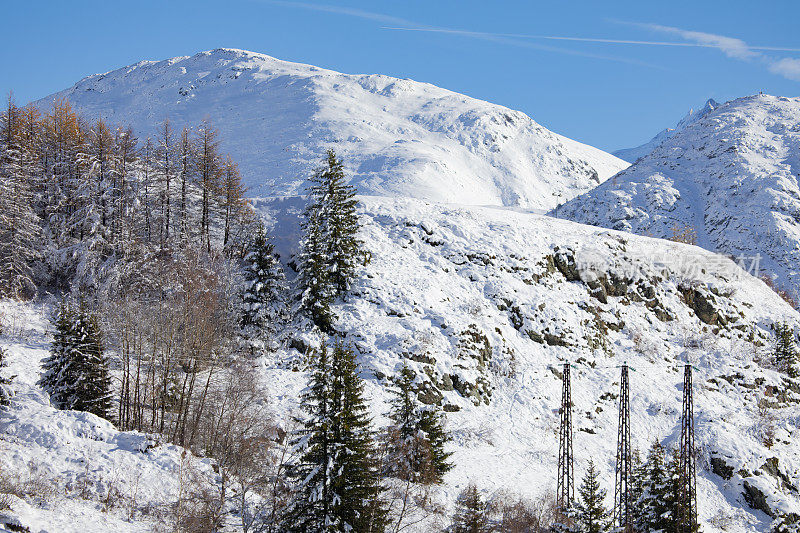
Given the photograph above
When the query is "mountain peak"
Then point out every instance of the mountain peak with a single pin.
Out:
(730, 175)
(633, 154)
(398, 137)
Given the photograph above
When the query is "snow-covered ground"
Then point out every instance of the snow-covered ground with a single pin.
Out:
(732, 176)
(398, 137)
(87, 476)
(484, 304)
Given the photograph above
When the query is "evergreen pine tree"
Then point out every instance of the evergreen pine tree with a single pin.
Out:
(785, 350)
(651, 506)
(338, 207)
(417, 437)
(470, 515)
(330, 246)
(638, 475)
(591, 515)
(75, 374)
(263, 301)
(336, 476)
(313, 278)
(431, 425)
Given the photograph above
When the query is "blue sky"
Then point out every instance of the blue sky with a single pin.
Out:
(552, 60)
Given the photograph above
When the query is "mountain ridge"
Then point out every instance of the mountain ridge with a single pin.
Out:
(634, 154)
(398, 137)
(731, 177)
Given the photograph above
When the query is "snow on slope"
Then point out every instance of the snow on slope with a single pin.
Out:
(398, 137)
(91, 478)
(634, 154)
(484, 304)
(732, 176)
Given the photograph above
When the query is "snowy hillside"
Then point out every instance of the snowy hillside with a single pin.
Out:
(633, 154)
(732, 176)
(397, 137)
(484, 304)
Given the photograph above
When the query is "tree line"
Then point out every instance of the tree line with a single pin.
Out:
(170, 289)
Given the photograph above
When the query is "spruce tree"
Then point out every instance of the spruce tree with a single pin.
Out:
(637, 482)
(651, 505)
(263, 301)
(785, 350)
(316, 292)
(338, 203)
(591, 515)
(417, 437)
(75, 374)
(470, 515)
(336, 476)
(330, 247)
(431, 426)
(671, 495)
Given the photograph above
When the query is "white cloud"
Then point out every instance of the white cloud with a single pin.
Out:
(787, 67)
(735, 48)
(730, 46)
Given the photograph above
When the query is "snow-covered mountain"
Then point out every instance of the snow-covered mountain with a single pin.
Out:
(484, 304)
(732, 176)
(633, 154)
(398, 137)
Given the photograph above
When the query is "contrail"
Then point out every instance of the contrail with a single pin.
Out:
(580, 39)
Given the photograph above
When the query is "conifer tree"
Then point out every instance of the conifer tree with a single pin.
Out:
(671, 495)
(591, 514)
(336, 474)
(264, 298)
(785, 350)
(208, 168)
(5, 382)
(232, 198)
(75, 374)
(19, 224)
(166, 167)
(651, 506)
(330, 247)
(337, 204)
(316, 292)
(637, 487)
(470, 515)
(185, 170)
(418, 436)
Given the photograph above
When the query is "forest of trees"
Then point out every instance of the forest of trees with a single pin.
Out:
(169, 289)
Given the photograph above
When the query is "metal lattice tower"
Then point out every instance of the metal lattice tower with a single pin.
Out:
(565, 491)
(622, 496)
(688, 496)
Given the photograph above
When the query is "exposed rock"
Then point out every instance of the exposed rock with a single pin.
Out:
(565, 263)
(756, 498)
(721, 468)
(702, 305)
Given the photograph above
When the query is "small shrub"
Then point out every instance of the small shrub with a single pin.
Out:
(684, 234)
